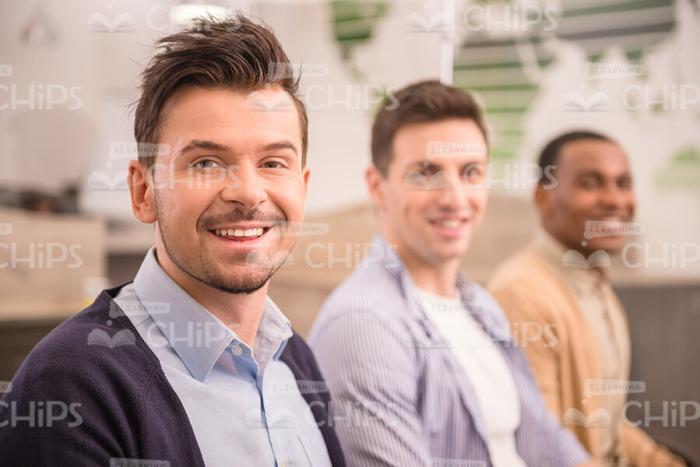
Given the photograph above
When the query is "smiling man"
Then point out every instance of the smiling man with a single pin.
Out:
(192, 364)
(559, 289)
(419, 360)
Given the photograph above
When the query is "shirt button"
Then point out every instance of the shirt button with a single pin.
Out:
(237, 350)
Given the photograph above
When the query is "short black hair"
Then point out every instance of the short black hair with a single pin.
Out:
(549, 155)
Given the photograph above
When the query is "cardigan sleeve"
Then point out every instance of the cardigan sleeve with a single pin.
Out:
(57, 414)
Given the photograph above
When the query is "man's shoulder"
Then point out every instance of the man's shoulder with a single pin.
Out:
(297, 351)
(370, 292)
(522, 271)
(527, 285)
(113, 397)
(98, 345)
(369, 284)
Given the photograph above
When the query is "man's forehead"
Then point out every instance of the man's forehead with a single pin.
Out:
(450, 129)
(592, 155)
(197, 106)
(441, 147)
(228, 134)
(225, 116)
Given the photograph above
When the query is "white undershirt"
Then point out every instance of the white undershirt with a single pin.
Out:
(487, 371)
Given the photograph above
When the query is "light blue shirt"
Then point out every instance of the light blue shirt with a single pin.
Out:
(244, 404)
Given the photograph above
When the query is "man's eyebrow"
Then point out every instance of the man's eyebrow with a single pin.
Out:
(589, 173)
(424, 164)
(468, 163)
(204, 144)
(280, 145)
(213, 146)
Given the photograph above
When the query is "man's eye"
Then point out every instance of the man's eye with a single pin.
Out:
(272, 165)
(473, 173)
(588, 183)
(426, 171)
(625, 184)
(416, 178)
(206, 164)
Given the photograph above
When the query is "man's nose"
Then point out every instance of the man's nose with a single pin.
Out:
(244, 186)
(613, 197)
(453, 193)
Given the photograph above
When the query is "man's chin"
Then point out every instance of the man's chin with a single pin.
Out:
(448, 253)
(240, 284)
(236, 277)
(611, 245)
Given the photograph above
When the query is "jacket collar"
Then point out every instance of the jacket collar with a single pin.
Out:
(584, 274)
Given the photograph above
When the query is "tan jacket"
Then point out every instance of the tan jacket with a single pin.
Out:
(550, 326)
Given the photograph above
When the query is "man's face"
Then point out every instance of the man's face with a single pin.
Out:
(434, 194)
(232, 188)
(594, 184)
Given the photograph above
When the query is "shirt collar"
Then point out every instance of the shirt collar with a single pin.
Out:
(273, 333)
(585, 274)
(198, 337)
(476, 300)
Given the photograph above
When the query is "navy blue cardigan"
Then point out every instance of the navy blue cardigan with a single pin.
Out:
(73, 404)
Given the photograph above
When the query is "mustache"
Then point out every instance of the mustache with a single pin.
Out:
(238, 215)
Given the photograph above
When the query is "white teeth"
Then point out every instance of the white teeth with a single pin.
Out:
(247, 233)
(452, 224)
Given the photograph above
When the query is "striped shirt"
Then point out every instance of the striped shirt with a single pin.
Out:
(492, 380)
(401, 397)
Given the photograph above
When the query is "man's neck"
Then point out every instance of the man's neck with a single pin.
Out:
(241, 313)
(439, 278)
(551, 241)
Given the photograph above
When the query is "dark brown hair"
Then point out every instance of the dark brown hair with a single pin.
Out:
(233, 53)
(422, 102)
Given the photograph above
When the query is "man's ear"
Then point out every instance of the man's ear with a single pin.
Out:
(543, 199)
(375, 182)
(305, 176)
(142, 195)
